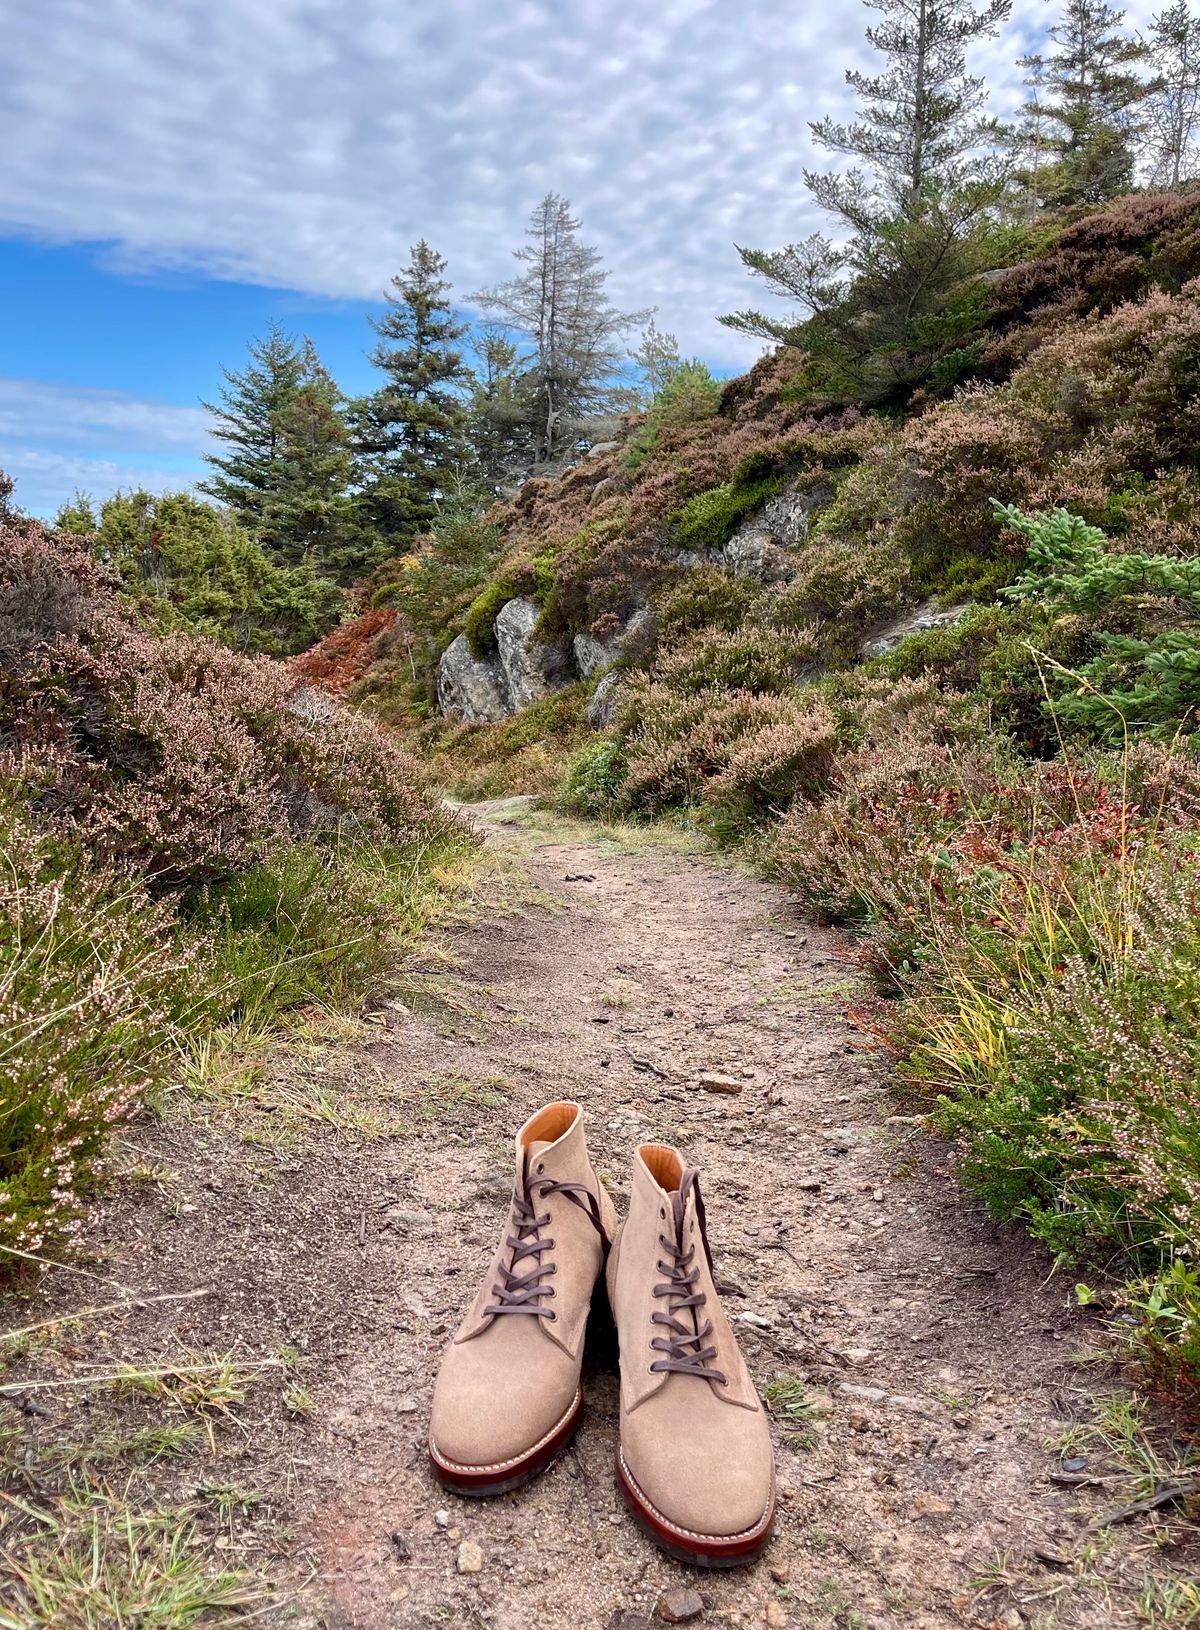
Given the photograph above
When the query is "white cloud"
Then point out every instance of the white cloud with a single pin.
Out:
(32, 410)
(306, 144)
(46, 479)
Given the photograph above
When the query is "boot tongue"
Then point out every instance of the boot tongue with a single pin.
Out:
(679, 1199)
(532, 1151)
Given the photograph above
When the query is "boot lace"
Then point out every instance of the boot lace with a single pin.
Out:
(684, 1346)
(518, 1292)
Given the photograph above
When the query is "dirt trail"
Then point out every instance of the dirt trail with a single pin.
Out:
(937, 1362)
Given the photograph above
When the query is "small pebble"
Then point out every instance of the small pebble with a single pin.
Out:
(470, 1557)
(679, 1605)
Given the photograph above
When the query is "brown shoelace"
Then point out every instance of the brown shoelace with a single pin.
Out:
(684, 1346)
(523, 1293)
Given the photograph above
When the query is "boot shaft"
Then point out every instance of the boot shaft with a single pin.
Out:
(665, 1220)
(550, 1149)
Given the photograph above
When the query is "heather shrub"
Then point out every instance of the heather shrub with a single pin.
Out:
(840, 589)
(190, 842)
(1039, 925)
(686, 748)
(787, 755)
(749, 658)
(1114, 255)
(94, 990)
(956, 653)
(705, 598)
(173, 754)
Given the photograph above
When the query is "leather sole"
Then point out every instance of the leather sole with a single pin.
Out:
(482, 1482)
(701, 1550)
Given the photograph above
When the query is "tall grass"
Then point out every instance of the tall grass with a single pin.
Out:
(106, 993)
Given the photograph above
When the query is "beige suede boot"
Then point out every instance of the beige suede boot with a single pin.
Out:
(695, 1460)
(507, 1399)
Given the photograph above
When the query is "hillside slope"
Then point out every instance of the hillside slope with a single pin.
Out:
(939, 670)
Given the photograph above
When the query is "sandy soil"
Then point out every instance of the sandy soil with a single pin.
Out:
(939, 1358)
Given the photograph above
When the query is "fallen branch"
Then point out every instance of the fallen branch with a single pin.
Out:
(1136, 1508)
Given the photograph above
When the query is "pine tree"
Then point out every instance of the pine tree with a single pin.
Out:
(310, 515)
(1030, 139)
(248, 419)
(657, 358)
(912, 209)
(921, 117)
(1086, 98)
(499, 414)
(558, 302)
(411, 433)
(1173, 101)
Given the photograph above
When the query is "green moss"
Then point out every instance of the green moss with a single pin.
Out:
(479, 625)
(710, 519)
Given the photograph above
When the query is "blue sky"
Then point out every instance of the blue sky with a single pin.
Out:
(176, 176)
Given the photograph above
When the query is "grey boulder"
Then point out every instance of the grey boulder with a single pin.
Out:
(918, 621)
(471, 688)
(603, 705)
(532, 668)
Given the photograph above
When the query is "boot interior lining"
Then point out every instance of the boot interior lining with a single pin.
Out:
(663, 1164)
(550, 1123)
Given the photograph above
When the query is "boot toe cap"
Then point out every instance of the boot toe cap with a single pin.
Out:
(717, 1482)
(483, 1418)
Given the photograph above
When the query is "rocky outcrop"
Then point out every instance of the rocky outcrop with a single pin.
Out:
(532, 668)
(523, 670)
(763, 546)
(471, 688)
(918, 621)
(592, 656)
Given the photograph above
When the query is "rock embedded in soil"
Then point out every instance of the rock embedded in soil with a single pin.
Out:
(715, 1081)
(470, 1557)
(677, 1606)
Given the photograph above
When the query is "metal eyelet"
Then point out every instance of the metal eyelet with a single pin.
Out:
(553, 1317)
(540, 1167)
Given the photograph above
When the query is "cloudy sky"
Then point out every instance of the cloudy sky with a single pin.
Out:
(176, 175)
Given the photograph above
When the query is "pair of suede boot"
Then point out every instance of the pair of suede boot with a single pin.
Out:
(694, 1462)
